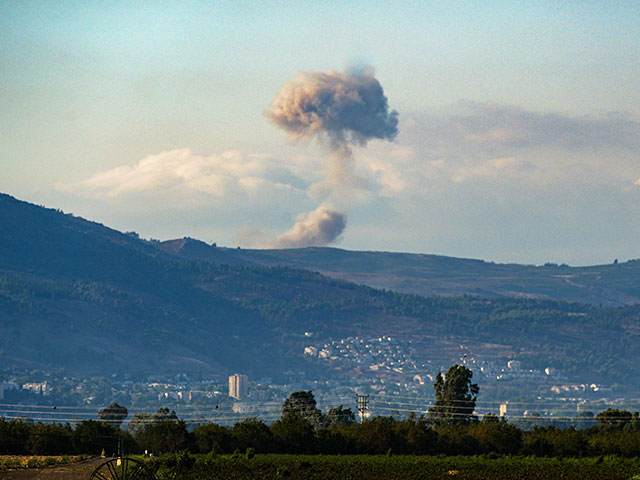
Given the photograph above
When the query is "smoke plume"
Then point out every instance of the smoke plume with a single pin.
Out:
(346, 108)
(318, 228)
(341, 110)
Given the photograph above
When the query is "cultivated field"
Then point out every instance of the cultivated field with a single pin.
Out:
(302, 467)
(348, 467)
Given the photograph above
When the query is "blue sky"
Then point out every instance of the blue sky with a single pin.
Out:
(519, 132)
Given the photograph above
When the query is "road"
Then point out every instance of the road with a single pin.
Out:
(70, 471)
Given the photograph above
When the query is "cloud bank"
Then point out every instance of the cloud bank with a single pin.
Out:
(215, 175)
(468, 180)
(470, 142)
(491, 127)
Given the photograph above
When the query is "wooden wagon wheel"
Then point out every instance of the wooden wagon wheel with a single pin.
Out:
(122, 468)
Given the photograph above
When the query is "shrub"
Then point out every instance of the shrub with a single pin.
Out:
(250, 453)
(11, 462)
(283, 472)
(185, 460)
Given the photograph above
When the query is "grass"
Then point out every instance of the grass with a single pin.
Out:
(36, 461)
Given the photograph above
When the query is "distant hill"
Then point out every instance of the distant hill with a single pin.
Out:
(427, 275)
(78, 295)
(192, 249)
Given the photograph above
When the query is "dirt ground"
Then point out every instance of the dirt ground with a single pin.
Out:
(70, 471)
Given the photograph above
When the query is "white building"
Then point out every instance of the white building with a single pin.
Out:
(43, 388)
(513, 365)
(241, 407)
(311, 351)
(238, 386)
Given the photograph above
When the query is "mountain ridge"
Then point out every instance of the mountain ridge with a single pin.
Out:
(77, 295)
(427, 274)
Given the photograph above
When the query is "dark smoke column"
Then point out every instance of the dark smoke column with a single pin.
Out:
(344, 108)
(340, 110)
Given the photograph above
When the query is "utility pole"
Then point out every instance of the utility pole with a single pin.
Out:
(363, 405)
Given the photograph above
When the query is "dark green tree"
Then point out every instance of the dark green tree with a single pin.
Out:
(420, 439)
(340, 416)
(50, 439)
(491, 418)
(114, 414)
(91, 436)
(167, 436)
(14, 437)
(293, 434)
(614, 418)
(252, 433)
(212, 438)
(303, 404)
(635, 421)
(585, 420)
(455, 397)
(536, 443)
(163, 414)
(377, 435)
(143, 420)
(497, 436)
(139, 421)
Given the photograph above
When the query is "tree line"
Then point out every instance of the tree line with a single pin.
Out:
(415, 435)
(303, 428)
(450, 427)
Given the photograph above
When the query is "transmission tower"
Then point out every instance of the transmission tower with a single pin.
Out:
(363, 405)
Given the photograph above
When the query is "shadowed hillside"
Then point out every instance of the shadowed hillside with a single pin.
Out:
(78, 295)
(426, 275)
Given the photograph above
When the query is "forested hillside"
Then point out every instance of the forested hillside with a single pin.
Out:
(78, 295)
(427, 275)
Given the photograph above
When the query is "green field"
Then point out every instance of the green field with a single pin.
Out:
(356, 467)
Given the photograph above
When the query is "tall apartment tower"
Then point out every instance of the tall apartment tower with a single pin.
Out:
(238, 386)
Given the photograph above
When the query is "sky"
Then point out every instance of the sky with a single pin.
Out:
(517, 136)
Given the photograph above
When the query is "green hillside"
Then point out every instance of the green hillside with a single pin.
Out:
(78, 295)
(426, 275)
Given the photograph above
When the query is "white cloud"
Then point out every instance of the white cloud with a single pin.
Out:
(488, 168)
(215, 175)
(502, 143)
(386, 167)
(485, 181)
(504, 128)
(495, 182)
